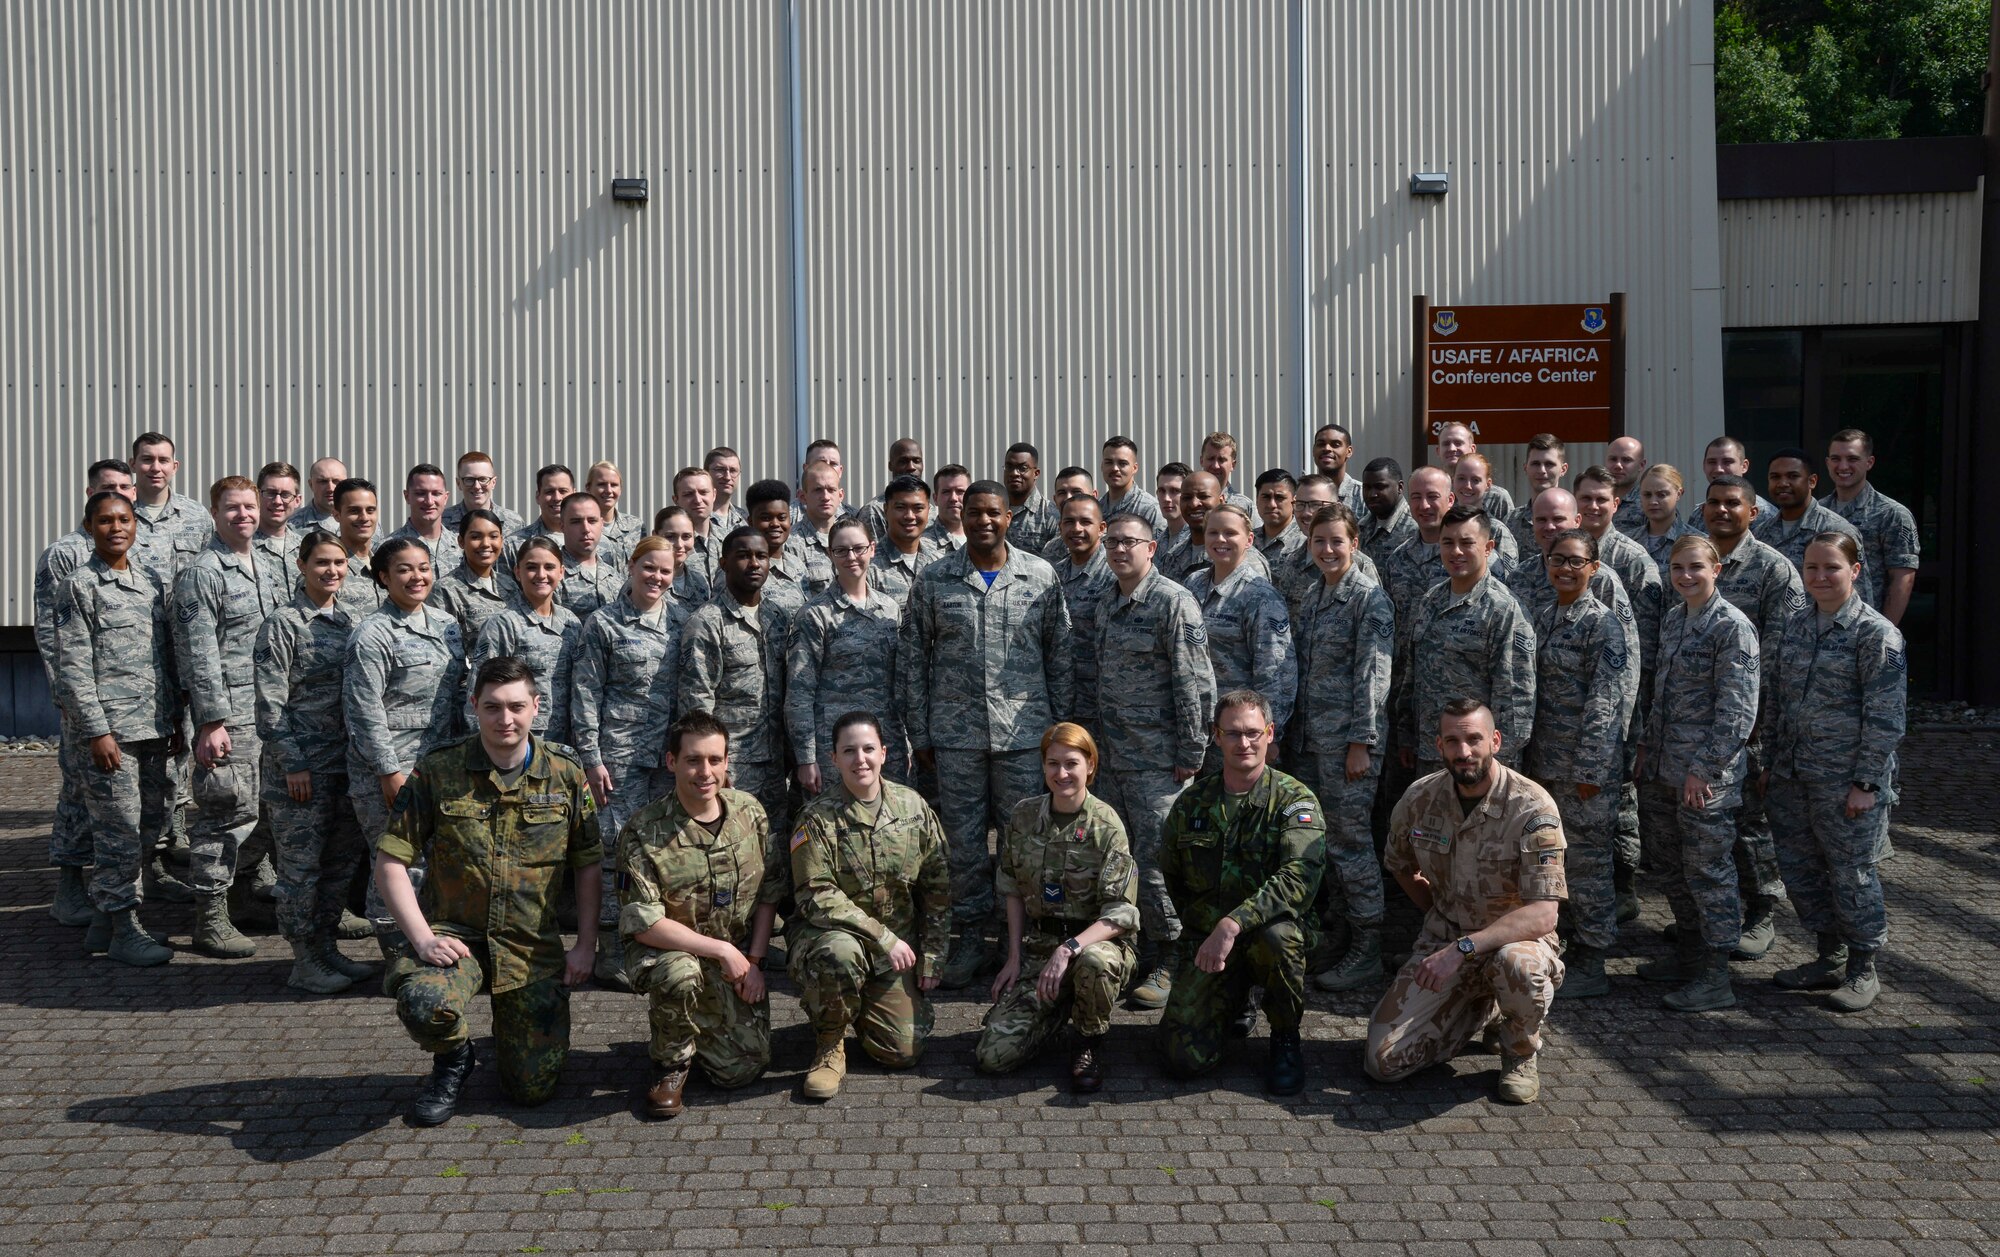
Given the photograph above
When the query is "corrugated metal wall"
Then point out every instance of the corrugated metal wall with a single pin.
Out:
(1580, 142)
(385, 230)
(1803, 261)
(1046, 221)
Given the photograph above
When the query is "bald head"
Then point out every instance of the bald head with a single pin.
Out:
(1554, 513)
(1429, 496)
(1200, 492)
(1625, 459)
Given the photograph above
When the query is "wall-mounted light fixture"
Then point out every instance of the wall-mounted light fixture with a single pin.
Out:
(629, 190)
(1430, 183)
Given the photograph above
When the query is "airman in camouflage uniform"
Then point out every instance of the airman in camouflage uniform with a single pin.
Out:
(402, 696)
(1083, 585)
(1837, 715)
(115, 677)
(732, 661)
(842, 658)
(1068, 872)
(1135, 501)
(69, 829)
(1249, 632)
(1790, 537)
(1479, 645)
(1705, 702)
(1253, 859)
(1470, 871)
(672, 868)
(1346, 636)
(548, 646)
(981, 672)
(586, 586)
(1586, 688)
(867, 877)
(1888, 537)
(171, 536)
(495, 850)
(469, 599)
(1033, 517)
(454, 515)
(221, 600)
(442, 548)
(895, 573)
(300, 659)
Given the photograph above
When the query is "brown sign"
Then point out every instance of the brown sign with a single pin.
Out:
(1508, 372)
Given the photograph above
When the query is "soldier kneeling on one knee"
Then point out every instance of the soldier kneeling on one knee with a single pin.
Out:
(496, 817)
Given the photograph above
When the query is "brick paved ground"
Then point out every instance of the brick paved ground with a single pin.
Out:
(204, 1109)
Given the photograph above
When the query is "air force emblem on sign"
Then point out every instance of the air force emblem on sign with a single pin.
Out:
(1445, 323)
(1593, 319)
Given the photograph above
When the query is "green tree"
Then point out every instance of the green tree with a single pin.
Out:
(1848, 69)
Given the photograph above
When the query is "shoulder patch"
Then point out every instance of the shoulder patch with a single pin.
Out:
(1895, 661)
(1540, 821)
(1276, 624)
(1524, 640)
(1614, 655)
(187, 612)
(1196, 634)
(799, 837)
(1301, 813)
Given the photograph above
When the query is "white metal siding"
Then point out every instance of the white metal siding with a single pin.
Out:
(384, 230)
(1581, 152)
(1803, 261)
(1045, 221)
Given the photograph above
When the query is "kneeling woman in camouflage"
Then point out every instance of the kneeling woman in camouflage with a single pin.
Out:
(869, 868)
(701, 882)
(1837, 712)
(1066, 876)
(496, 818)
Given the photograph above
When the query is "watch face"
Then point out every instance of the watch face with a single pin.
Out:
(1465, 947)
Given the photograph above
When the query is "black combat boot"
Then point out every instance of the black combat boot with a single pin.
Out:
(438, 1100)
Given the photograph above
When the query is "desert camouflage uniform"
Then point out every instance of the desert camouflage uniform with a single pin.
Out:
(867, 878)
(1481, 866)
(495, 856)
(115, 674)
(1837, 715)
(671, 868)
(982, 672)
(1255, 858)
(1068, 872)
(1704, 708)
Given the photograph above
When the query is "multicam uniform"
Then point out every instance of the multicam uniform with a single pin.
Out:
(868, 877)
(1255, 858)
(1069, 871)
(1837, 715)
(301, 657)
(672, 868)
(115, 674)
(495, 854)
(1508, 851)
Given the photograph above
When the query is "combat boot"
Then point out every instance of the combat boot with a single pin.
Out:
(353, 927)
(1361, 967)
(330, 955)
(72, 902)
(968, 951)
(1244, 1023)
(1822, 974)
(663, 1100)
(311, 974)
(178, 849)
(1708, 991)
(213, 934)
(1153, 991)
(438, 1100)
(829, 1067)
(1285, 1075)
(264, 881)
(1861, 987)
(161, 886)
(1760, 929)
(609, 968)
(1624, 884)
(130, 944)
(97, 938)
(1586, 978)
(1086, 1064)
(1520, 1079)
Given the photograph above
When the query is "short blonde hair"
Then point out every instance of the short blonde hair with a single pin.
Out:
(1695, 541)
(1667, 472)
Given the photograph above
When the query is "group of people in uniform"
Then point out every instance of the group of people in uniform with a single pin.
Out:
(1095, 743)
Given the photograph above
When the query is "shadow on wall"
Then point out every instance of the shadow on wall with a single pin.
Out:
(586, 238)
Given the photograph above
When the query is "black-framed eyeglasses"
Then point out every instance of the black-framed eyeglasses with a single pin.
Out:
(1569, 562)
(1124, 543)
(848, 552)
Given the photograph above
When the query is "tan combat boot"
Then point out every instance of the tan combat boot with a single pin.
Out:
(829, 1067)
(1520, 1079)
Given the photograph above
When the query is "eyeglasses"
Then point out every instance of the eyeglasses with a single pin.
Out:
(1569, 562)
(276, 495)
(475, 482)
(1124, 543)
(848, 552)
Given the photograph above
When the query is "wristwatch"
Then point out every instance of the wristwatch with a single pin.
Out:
(1072, 946)
(1865, 787)
(1466, 948)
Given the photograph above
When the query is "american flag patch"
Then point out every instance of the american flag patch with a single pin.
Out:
(798, 839)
